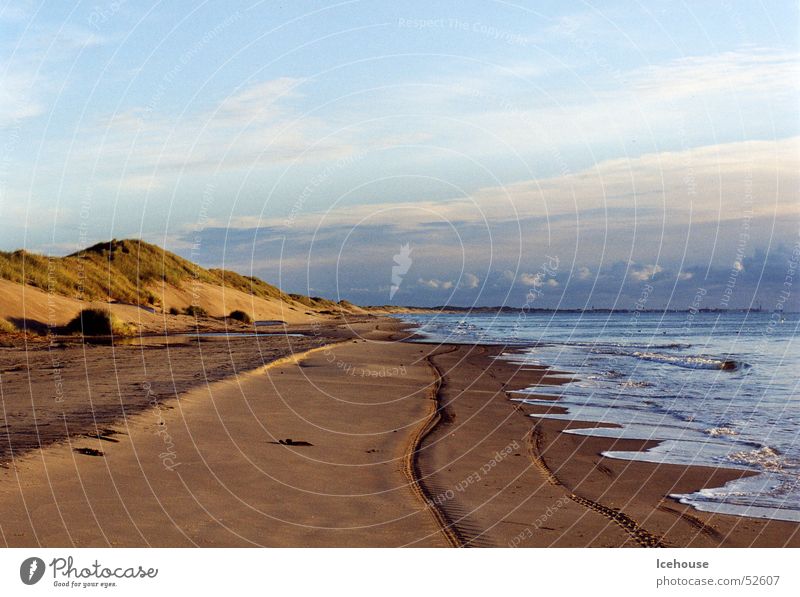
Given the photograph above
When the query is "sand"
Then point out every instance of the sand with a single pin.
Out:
(524, 483)
(393, 444)
(210, 471)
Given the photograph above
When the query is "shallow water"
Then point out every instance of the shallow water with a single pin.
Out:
(715, 389)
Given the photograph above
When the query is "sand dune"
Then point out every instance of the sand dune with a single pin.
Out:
(141, 284)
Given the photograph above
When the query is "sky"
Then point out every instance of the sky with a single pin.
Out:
(540, 154)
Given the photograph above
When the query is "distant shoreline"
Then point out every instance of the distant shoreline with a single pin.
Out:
(544, 311)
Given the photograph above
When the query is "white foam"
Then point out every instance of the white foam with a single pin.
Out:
(721, 431)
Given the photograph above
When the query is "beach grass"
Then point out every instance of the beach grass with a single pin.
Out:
(123, 271)
(195, 311)
(99, 322)
(240, 315)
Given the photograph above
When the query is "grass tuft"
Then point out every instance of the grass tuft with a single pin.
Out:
(99, 322)
(240, 315)
(195, 311)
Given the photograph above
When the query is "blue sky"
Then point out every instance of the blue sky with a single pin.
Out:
(634, 144)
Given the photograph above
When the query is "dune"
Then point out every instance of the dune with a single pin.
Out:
(143, 284)
(219, 301)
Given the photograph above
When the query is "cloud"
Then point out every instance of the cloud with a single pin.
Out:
(254, 127)
(628, 222)
(530, 279)
(645, 273)
(620, 193)
(538, 280)
(33, 74)
(470, 281)
(260, 102)
(508, 276)
(669, 104)
(760, 71)
(435, 284)
(18, 96)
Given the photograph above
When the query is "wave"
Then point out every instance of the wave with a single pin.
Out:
(691, 362)
(631, 383)
(721, 431)
(654, 354)
(685, 361)
(765, 457)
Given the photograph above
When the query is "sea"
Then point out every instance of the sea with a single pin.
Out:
(715, 389)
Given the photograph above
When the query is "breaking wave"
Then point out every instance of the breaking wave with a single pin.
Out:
(691, 362)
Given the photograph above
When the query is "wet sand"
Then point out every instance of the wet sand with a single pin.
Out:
(212, 471)
(392, 444)
(513, 480)
(62, 387)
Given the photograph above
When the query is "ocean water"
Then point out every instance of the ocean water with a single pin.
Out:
(716, 389)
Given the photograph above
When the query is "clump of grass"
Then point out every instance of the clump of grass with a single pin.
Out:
(99, 322)
(6, 327)
(240, 315)
(174, 311)
(195, 311)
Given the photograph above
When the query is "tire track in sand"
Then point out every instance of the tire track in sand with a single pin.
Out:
(411, 466)
(635, 531)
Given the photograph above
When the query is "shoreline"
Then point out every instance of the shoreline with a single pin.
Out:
(424, 449)
(633, 496)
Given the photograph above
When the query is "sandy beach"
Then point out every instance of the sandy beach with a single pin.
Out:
(342, 437)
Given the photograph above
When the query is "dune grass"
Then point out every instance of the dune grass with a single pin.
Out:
(125, 271)
(195, 311)
(99, 322)
(6, 327)
(132, 271)
(240, 315)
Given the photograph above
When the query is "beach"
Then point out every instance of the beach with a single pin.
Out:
(345, 435)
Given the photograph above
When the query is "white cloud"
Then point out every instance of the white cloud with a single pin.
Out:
(495, 110)
(260, 102)
(508, 275)
(756, 70)
(644, 273)
(657, 181)
(32, 73)
(470, 281)
(530, 279)
(683, 276)
(589, 217)
(17, 98)
(435, 284)
(253, 127)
